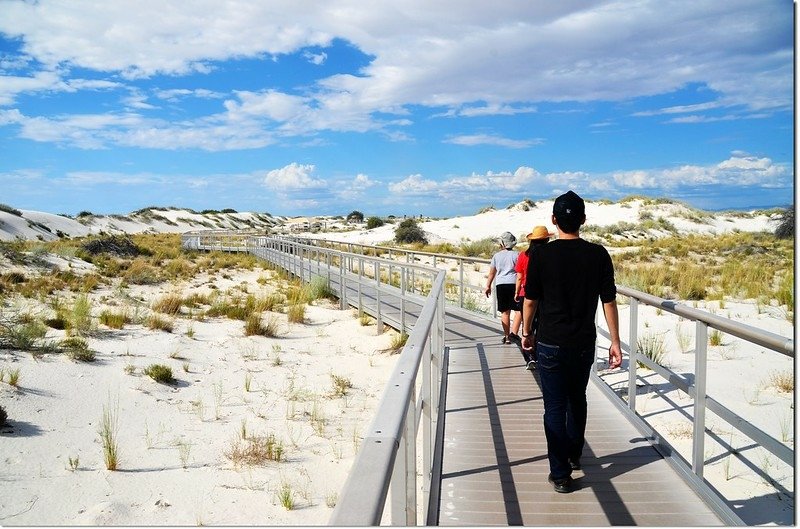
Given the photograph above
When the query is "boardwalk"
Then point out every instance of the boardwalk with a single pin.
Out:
(494, 458)
(494, 465)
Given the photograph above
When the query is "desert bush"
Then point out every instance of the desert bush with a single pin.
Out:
(9, 209)
(159, 373)
(785, 228)
(109, 428)
(782, 381)
(319, 288)
(651, 346)
(296, 313)
(77, 349)
(169, 304)
(140, 272)
(341, 385)
(80, 317)
(409, 231)
(16, 333)
(114, 320)
(256, 450)
(481, 248)
(157, 323)
(398, 342)
(374, 222)
(254, 326)
(13, 377)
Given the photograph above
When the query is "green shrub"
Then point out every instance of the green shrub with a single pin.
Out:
(77, 349)
(159, 373)
(9, 209)
(374, 222)
(114, 320)
(81, 315)
(409, 231)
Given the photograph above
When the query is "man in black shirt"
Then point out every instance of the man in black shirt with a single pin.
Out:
(564, 281)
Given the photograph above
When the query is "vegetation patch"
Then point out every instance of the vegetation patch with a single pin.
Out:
(159, 373)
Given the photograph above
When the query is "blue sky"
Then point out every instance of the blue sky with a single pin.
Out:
(393, 107)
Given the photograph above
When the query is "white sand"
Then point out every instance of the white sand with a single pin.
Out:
(55, 412)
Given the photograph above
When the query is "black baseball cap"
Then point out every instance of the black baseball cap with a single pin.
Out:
(569, 206)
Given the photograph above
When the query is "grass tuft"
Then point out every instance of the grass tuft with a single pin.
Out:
(159, 373)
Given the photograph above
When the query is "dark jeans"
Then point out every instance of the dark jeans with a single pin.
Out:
(564, 374)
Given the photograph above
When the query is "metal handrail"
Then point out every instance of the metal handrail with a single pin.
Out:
(693, 470)
(387, 459)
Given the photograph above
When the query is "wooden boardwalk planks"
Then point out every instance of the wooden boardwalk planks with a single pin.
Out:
(495, 456)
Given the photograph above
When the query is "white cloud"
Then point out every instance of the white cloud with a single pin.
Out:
(738, 170)
(490, 139)
(355, 188)
(316, 58)
(292, 177)
(483, 58)
(413, 185)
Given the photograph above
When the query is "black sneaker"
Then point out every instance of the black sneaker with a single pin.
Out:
(563, 485)
(574, 464)
(514, 338)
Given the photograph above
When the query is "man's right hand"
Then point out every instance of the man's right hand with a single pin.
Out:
(527, 343)
(614, 356)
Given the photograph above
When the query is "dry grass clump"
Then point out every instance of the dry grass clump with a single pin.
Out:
(114, 320)
(398, 342)
(109, 427)
(80, 316)
(256, 450)
(341, 385)
(157, 323)
(169, 304)
(140, 272)
(782, 381)
(296, 313)
(254, 326)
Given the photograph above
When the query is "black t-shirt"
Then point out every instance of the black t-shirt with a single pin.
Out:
(567, 276)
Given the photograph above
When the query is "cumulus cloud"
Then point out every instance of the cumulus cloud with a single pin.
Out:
(739, 170)
(292, 177)
(504, 56)
(413, 185)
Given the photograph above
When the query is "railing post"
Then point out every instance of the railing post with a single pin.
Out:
(461, 283)
(402, 300)
(633, 346)
(699, 434)
(379, 319)
(360, 279)
(404, 476)
(342, 286)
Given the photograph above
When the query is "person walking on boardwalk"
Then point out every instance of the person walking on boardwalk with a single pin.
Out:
(501, 270)
(538, 236)
(564, 280)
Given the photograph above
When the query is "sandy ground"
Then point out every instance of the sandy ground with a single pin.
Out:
(174, 439)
